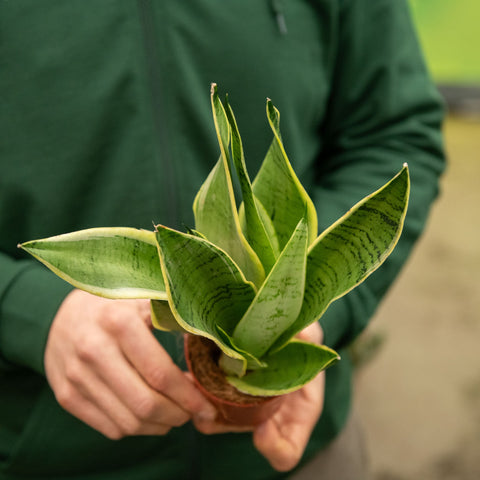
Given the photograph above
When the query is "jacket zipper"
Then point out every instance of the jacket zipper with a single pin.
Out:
(163, 165)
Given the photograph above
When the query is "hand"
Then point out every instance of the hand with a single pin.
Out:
(283, 438)
(107, 369)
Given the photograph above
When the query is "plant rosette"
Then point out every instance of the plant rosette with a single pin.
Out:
(248, 278)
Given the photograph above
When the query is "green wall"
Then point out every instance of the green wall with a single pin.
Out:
(450, 34)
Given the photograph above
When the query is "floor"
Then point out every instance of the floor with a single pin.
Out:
(418, 391)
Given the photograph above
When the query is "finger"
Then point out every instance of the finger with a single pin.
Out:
(94, 372)
(313, 333)
(157, 368)
(90, 402)
(128, 421)
(86, 411)
(145, 403)
(281, 453)
(283, 438)
(111, 381)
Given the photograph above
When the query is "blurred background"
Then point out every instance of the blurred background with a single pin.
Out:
(418, 382)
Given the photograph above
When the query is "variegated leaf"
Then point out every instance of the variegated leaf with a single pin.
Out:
(163, 318)
(215, 209)
(287, 370)
(255, 230)
(351, 249)
(109, 262)
(279, 300)
(279, 190)
(205, 287)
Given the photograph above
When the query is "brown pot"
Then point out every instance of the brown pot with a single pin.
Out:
(234, 407)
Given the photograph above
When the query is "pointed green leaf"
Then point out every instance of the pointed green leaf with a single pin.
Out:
(267, 224)
(352, 248)
(283, 375)
(109, 262)
(205, 287)
(163, 318)
(279, 190)
(222, 126)
(234, 366)
(215, 209)
(255, 230)
(279, 300)
(195, 233)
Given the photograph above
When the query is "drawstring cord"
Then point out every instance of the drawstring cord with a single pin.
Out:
(277, 7)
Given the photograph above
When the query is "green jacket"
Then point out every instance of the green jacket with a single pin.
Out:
(105, 121)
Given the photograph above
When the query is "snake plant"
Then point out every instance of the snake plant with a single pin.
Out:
(250, 277)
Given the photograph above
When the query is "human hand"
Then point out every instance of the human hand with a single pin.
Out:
(282, 439)
(107, 369)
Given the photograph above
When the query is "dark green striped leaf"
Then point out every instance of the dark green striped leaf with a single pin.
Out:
(205, 287)
(215, 209)
(163, 318)
(109, 262)
(287, 370)
(279, 190)
(233, 366)
(351, 249)
(255, 230)
(279, 300)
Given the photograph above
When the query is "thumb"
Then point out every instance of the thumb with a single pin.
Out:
(282, 454)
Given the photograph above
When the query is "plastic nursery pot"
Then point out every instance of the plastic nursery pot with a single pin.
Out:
(234, 407)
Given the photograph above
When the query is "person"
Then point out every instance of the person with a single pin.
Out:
(105, 121)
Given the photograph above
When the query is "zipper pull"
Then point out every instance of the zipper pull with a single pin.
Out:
(277, 7)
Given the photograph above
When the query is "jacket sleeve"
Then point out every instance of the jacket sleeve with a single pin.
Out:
(30, 295)
(383, 111)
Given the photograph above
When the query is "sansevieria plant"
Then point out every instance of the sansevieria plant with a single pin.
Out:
(250, 277)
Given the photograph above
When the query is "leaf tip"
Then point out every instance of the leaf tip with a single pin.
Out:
(25, 246)
(272, 112)
(213, 88)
